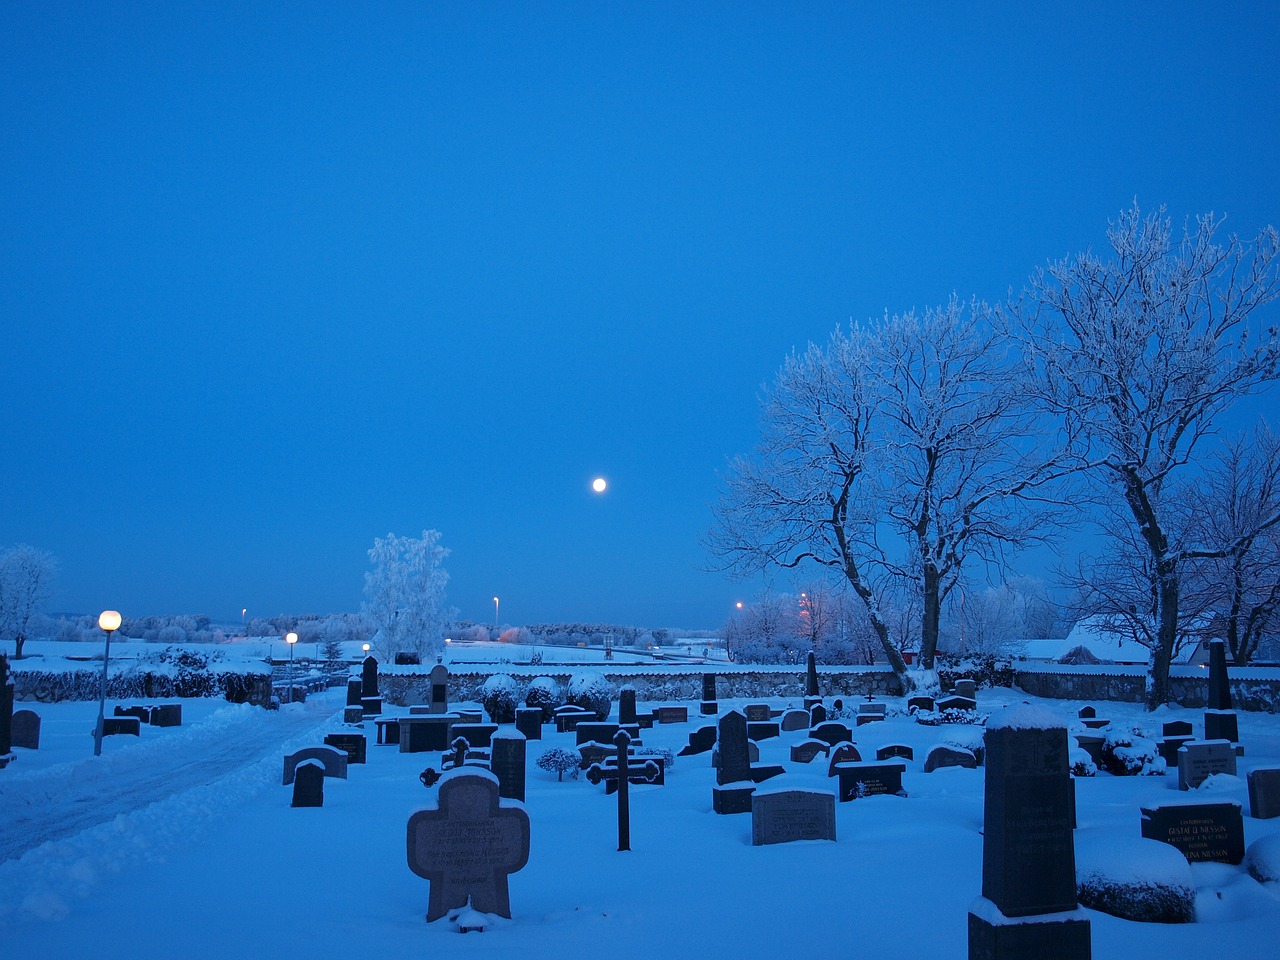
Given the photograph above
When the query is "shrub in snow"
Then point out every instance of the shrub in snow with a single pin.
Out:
(1135, 879)
(559, 762)
(1082, 764)
(591, 691)
(543, 693)
(499, 694)
(1263, 859)
(1131, 754)
(668, 758)
(951, 716)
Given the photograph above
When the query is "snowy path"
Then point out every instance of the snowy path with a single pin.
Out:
(59, 802)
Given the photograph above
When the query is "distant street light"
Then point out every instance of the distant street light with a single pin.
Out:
(109, 621)
(495, 613)
(291, 638)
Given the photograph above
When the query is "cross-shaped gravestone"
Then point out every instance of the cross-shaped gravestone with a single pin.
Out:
(619, 773)
(468, 843)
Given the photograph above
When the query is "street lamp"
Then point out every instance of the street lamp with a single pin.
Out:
(495, 613)
(291, 638)
(109, 621)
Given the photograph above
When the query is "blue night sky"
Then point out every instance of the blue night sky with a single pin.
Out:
(277, 279)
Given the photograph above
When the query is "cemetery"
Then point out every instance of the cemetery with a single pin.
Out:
(715, 819)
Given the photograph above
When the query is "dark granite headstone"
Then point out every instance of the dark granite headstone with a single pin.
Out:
(1028, 852)
(756, 711)
(419, 734)
(529, 722)
(1087, 713)
(709, 706)
(439, 702)
(506, 760)
(832, 732)
(1220, 722)
(811, 675)
(817, 715)
(806, 750)
(468, 843)
(143, 714)
(920, 704)
(700, 741)
(673, 714)
(6, 711)
(166, 715)
(627, 704)
(354, 716)
(1198, 760)
(870, 779)
(592, 730)
(478, 735)
(763, 729)
(111, 726)
(354, 745)
(846, 752)
(943, 755)
(895, 751)
(731, 738)
(355, 690)
(25, 729)
(1028, 855)
(388, 730)
(332, 762)
(308, 785)
(753, 754)
(1202, 831)
(369, 678)
(956, 703)
(1264, 792)
(1178, 728)
(781, 816)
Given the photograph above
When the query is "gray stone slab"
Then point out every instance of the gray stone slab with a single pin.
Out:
(1198, 760)
(1264, 792)
(782, 816)
(25, 729)
(468, 843)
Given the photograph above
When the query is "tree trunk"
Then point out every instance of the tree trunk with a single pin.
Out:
(1166, 633)
(930, 618)
(19, 642)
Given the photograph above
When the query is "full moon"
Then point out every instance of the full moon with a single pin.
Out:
(598, 484)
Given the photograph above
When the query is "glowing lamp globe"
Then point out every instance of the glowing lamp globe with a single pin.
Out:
(109, 620)
(598, 485)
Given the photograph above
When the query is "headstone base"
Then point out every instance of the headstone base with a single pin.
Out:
(709, 708)
(6, 759)
(731, 799)
(1055, 936)
(352, 715)
(811, 702)
(371, 706)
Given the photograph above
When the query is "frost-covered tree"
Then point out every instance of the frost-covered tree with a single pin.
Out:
(405, 596)
(26, 577)
(1235, 508)
(892, 456)
(1142, 351)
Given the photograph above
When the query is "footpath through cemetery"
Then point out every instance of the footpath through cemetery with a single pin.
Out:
(979, 823)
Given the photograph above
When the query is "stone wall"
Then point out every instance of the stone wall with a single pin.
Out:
(1252, 688)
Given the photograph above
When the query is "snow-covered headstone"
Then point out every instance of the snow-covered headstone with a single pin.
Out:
(782, 816)
(468, 843)
(1264, 793)
(1198, 760)
(1202, 831)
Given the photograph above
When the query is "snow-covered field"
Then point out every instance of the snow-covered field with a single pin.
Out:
(182, 843)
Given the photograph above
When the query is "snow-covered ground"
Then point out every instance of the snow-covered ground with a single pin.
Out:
(182, 843)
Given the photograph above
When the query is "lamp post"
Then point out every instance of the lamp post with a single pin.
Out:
(495, 613)
(109, 621)
(291, 639)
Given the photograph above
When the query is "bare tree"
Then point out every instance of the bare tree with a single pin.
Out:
(894, 454)
(1235, 508)
(26, 576)
(1143, 351)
